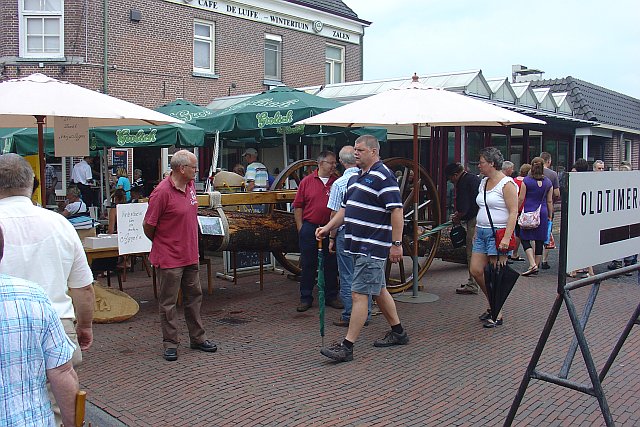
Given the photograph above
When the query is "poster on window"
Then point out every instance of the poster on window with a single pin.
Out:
(71, 136)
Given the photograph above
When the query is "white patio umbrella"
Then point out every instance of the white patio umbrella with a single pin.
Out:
(418, 105)
(37, 100)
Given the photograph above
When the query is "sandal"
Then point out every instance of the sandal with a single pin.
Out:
(486, 315)
(531, 271)
(489, 323)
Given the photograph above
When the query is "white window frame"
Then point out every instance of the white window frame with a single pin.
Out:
(273, 40)
(211, 40)
(40, 14)
(331, 78)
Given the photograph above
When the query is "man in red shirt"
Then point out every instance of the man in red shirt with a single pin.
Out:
(311, 212)
(171, 224)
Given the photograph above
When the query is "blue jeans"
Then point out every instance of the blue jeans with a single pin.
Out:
(345, 268)
(309, 265)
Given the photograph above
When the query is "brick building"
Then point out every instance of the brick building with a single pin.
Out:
(155, 51)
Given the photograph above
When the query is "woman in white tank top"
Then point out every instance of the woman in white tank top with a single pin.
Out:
(502, 200)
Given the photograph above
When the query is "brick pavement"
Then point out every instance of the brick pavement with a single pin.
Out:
(268, 370)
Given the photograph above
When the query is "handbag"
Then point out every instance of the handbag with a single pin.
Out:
(531, 220)
(498, 235)
(458, 236)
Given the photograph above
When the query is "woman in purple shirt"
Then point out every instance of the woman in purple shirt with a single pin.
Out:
(535, 192)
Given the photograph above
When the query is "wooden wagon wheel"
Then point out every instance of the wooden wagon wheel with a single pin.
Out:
(400, 275)
(290, 178)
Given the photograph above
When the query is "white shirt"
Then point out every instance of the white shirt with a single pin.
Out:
(42, 246)
(497, 206)
(81, 173)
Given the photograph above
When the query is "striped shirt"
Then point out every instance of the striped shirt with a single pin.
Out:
(370, 198)
(32, 340)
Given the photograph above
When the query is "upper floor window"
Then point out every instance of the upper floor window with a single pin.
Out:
(334, 64)
(203, 46)
(41, 28)
(272, 57)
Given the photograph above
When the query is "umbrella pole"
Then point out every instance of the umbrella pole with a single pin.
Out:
(284, 149)
(321, 288)
(415, 297)
(416, 200)
(41, 159)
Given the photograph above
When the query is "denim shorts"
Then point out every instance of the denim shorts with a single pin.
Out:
(368, 275)
(484, 242)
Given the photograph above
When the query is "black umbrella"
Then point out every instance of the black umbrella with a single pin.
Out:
(499, 280)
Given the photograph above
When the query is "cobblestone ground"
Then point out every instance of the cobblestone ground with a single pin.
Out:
(268, 370)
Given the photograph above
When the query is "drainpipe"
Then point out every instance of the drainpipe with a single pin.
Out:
(105, 68)
(362, 55)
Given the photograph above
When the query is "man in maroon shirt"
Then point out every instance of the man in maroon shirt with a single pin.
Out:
(311, 212)
(171, 224)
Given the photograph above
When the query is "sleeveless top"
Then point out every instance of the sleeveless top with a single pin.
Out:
(495, 200)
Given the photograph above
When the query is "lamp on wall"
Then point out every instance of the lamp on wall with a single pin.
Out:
(232, 86)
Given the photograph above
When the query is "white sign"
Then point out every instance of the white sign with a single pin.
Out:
(307, 23)
(131, 238)
(210, 225)
(71, 136)
(603, 217)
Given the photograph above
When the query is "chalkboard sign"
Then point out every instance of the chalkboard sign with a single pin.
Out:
(246, 261)
(119, 159)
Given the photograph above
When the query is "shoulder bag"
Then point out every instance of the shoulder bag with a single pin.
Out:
(531, 220)
(498, 235)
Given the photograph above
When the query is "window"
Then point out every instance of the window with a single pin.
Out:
(203, 47)
(627, 150)
(272, 57)
(334, 64)
(41, 28)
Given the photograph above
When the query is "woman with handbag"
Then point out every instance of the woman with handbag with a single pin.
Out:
(536, 200)
(498, 209)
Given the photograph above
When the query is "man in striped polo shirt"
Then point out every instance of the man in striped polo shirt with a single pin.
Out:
(372, 213)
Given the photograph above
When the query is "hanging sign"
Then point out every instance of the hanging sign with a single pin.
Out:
(71, 136)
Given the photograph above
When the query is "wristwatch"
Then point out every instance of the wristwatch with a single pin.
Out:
(397, 243)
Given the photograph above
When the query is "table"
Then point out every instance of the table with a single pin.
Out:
(93, 254)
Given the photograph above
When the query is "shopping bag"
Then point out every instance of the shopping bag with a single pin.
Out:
(549, 230)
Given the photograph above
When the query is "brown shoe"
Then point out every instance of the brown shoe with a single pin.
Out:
(345, 323)
(336, 303)
(303, 307)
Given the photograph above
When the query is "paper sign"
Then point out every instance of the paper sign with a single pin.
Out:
(210, 225)
(131, 238)
(71, 136)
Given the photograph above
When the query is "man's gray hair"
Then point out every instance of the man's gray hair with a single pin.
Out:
(16, 176)
(507, 165)
(370, 141)
(181, 158)
(598, 163)
(348, 155)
